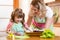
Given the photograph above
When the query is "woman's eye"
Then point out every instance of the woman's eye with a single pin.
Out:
(34, 9)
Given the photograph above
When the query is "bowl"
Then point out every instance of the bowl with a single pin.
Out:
(35, 33)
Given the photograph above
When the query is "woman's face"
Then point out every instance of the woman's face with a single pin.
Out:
(17, 20)
(34, 10)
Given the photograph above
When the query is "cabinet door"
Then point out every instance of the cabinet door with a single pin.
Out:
(6, 7)
(56, 9)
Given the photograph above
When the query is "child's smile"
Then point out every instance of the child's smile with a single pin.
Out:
(17, 20)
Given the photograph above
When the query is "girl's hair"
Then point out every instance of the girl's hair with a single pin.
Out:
(19, 14)
(40, 5)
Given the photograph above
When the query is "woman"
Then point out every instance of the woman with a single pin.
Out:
(40, 16)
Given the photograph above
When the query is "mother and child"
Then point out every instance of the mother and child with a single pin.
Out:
(40, 17)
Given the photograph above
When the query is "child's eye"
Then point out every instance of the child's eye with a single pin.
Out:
(20, 16)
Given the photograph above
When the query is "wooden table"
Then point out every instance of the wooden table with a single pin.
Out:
(31, 38)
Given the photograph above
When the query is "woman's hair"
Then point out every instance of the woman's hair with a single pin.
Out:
(19, 14)
(35, 4)
(40, 5)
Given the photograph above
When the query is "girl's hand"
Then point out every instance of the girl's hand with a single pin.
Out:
(18, 34)
(8, 31)
(27, 27)
(30, 30)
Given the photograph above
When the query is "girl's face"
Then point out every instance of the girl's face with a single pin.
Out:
(17, 20)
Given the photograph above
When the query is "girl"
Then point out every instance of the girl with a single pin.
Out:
(16, 24)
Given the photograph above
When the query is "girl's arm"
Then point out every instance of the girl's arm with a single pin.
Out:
(9, 26)
(27, 27)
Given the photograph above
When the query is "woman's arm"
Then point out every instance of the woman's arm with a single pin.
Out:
(30, 15)
(29, 20)
(49, 21)
(49, 16)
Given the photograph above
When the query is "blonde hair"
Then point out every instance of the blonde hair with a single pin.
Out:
(41, 6)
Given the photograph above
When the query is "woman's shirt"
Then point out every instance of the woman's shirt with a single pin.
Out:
(49, 12)
(40, 22)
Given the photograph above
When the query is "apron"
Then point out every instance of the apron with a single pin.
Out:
(39, 24)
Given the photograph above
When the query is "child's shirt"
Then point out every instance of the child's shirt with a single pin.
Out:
(17, 27)
(11, 24)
